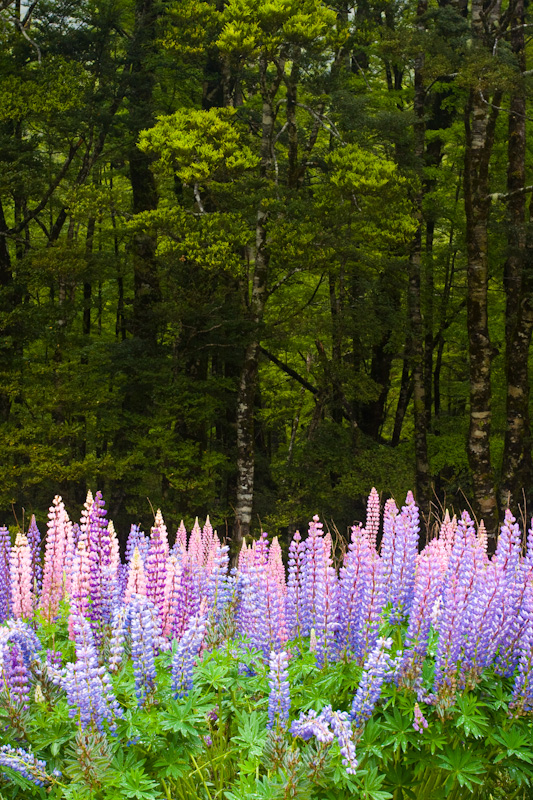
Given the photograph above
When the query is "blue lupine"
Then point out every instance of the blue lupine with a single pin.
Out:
(523, 686)
(376, 670)
(340, 724)
(88, 687)
(186, 655)
(458, 584)
(35, 543)
(293, 602)
(279, 700)
(5, 576)
(217, 584)
(145, 632)
(25, 763)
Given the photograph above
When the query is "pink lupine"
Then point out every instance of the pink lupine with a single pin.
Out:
(482, 537)
(180, 545)
(21, 578)
(195, 551)
(80, 588)
(136, 577)
(160, 523)
(58, 540)
(447, 531)
(207, 540)
(171, 596)
(275, 566)
(372, 517)
(156, 570)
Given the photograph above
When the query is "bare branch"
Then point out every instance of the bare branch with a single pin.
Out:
(289, 371)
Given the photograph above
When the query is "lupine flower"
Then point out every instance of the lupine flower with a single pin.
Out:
(312, 724)
(21, 578)
(312, 574)
(56, 582)
(145, 635)
(136, 577)
(102, 579)
(522, 702)
(402, 568)
(159, 523)
(34, 541)
(186, 655)
(136, 539)
(217, 584)
(88, 686)
(5, 574)
(25, 763)
(375, 671)
(293, 602)
(15, 674)
(195, 552)
(156, 570)
(180, 545)
(372, 518)
(342, 729)
(419, 722)
(355, 576)
(279, 701)
(457, 586)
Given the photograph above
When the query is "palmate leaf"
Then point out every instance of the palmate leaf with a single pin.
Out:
(471, 718)
(136, 784)
(516, 744)
(465, 768)
(400, 781)
(251, 732)
(401, 727)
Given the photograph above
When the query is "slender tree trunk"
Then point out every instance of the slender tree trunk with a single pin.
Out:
(249, 373)
(480, 121)
(406, 390)
(423, 481)
(516, 464)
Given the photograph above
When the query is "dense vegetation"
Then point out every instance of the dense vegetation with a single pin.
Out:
(370, 671)
(255, 257)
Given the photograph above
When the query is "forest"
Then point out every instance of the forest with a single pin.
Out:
(258, 256)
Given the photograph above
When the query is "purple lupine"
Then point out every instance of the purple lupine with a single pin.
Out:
(420, 723)
(5, 574)
(186, 654)
(327, 614)
(312, 724)
(457, 586)
(293, 601)
(404, 551)
(279, 700)
(19, 632)
(267, 633)
(156, 570)
(342, 729)
(355, 576)
(16, 675)
(312, 574)
(136, 539)
(508, 559)
(427, 587)
(522, 702)
(376, 670)
(102, 579)
(188, 604)
(373, 601)
(25, 763)
(217, 583)
(325, 727)
(35, 543)
(88, 686)
(145, 634)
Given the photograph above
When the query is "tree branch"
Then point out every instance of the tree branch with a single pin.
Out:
(289, 371)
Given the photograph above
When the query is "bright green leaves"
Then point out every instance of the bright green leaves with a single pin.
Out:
(199, 145)
(464, 768)
(369, 183)
(252, 26)
(41, 92)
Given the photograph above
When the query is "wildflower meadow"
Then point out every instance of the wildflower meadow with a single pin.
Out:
(382, 669)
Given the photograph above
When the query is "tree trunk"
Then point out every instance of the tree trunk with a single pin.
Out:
(250, 368)
(423, 482)
(480, 121)
(516, 465)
